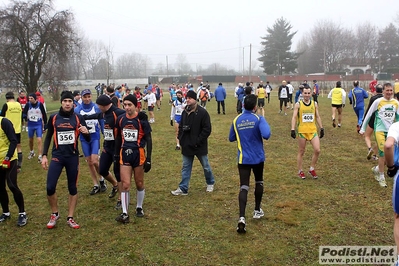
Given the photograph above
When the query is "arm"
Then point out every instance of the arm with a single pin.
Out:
(8, 129)
(232, 134)
(206, 128)
(368, 115)
(389, 151)
(44, 114)
(83, 129)
(330, 94)
(4, 110)
(148, 139)
(264, 128)
(49, 134)
(295, 116)
(343, 96)
(318, 118)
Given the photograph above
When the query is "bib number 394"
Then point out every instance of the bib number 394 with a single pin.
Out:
(130, 134)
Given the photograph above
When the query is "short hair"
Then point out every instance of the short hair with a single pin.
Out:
(388, 84)
(378, 88)
(356, 83)
(338, 84)
(250, 102)
(248, 90)
(110, 89)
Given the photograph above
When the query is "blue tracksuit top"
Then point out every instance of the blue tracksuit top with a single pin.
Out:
(357, 96)
(249, 130)
(95, 125)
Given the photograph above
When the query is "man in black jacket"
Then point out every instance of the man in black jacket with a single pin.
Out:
(194, 130)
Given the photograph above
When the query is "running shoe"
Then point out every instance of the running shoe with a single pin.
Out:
(358, 128)
(376, 172)
(95, 190)
(53, 221)
(339, 125)
(210, 188)
(31, 155)
(313, 174)
(19, 169)
(381, 181)
(4, 217)
(139, 212)
(179, 192)
(301, 174)
(118, 205)
(177, 148)
(334, 125)
(103, 186)
(370, 153)
(114, 191)
(241, 226)
(258, 214)
(73, 224)
(22, 219)
(39, 159)
(123, 218)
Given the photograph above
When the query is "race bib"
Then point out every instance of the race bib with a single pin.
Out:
(178, 111)
(108, 134)
(130, 134)
(388, 115)
(66, 137)
(307, 117)
(283, 93)
(33, 118)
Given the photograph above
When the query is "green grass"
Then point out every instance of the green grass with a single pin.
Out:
(345, 206)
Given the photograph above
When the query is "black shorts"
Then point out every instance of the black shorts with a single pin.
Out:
(336, 105)
(261, 102)
(150, 108)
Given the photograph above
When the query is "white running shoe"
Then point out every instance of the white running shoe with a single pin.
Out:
(31, 155)
(258, 214)
(209, 188)
(53, 221)
(376, 172)
(39, 159)
(382, 182)
(179, 192)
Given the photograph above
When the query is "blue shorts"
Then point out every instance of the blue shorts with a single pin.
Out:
(92, 147)
(38, 129)
(395, 194)
(177, 118)
(132, 157)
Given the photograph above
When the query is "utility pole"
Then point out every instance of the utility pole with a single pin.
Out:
(250, 67)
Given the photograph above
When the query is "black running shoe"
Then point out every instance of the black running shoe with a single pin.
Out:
(139, 212)
(114, 191)
(123, 218)
(118, 205)
(22, 220)
(4, 217)
(95, 190)
(103, 186)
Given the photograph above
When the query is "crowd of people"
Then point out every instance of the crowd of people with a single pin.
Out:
(127, 142)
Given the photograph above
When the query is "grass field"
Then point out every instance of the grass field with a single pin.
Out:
(345, 206)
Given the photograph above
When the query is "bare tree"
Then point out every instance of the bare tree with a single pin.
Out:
(182, 66)
(30, 34)
(94, 51)
(365, 43)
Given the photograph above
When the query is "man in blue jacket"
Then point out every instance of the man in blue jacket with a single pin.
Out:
(249, 130)
(356, 98)
(220, 96)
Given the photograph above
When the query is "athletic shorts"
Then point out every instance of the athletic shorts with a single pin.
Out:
(18, 135)
(380, 138)
(38, 129)
(336, 105)
(132, 157)
(106, 160)
(371, 121)
(307, 136)
(261, 102)
(89, 148)
(177, 118)
(150, 108)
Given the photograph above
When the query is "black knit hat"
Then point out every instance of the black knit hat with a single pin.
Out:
(103, 100)
(66, 95)
(131, 98)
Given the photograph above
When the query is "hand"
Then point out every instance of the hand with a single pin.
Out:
(83, 129)
(147, 166)
(116, 158)
(44, 162)
(343, 106)
(321, 135)
(391, 172)
(6, 164)
(293, 134)
(171, 122)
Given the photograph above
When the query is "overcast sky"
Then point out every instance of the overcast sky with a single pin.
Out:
(211, 31)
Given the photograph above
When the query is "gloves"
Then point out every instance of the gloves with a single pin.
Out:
(392, 170)
(147, 166)
(6, 163)
(343, 106)
(116, 158)
(171, 122)
(293, 135)
(321, 135)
